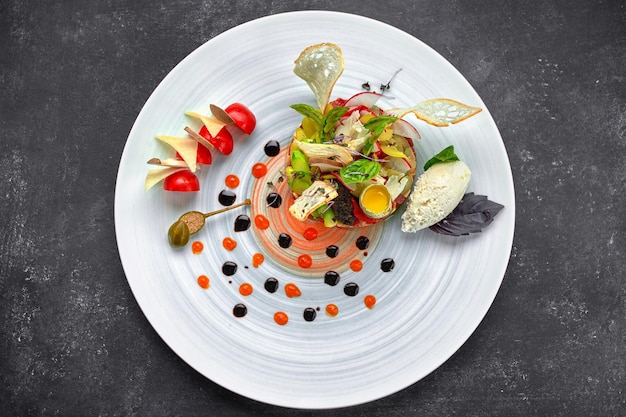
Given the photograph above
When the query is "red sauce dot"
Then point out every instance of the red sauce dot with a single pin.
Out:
(281, 318)
(203, 281)
(305, 261)
(292, 290)
(259, 170)
(245, 289)
(310, 233)
(369, 301)
(197, 247)
(332, 310)
(257, 259)
(356, 265)
(261, 222)
(229, 244)
(232, 181)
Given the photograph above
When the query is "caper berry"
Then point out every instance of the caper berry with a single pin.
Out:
(178, 233)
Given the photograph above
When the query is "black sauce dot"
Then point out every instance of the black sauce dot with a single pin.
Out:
(284, 240)
(331, 278)
(362, 242)
(309, 314)
(272, 148)
(387, 264)
(332, 251)
(226, 197)
(274, 200)
(229, 268)
(351, 289)
(271, 285)
(242, 223)
(240, 310)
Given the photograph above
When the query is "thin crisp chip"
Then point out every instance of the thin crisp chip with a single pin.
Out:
(438, 112)
(320, 66)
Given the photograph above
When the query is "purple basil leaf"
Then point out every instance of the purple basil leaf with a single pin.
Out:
(471, 215)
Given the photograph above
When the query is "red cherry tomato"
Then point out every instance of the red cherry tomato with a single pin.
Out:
(203, 156)
(223, 141)
(242, 116)
(182, 181)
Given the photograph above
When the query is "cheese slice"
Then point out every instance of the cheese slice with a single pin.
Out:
(212, 124)
(155, 176)
(318, 194)
(187, 148)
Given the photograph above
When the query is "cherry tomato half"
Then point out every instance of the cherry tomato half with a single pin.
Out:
(182, 181)
(242, 116)
(223, 141)
(203, 156)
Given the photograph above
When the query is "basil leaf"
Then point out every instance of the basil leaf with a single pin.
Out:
(447, 155)
(471, 215)
(376, 125)
(369, 145)
(359, 171)
(330, 119)
(379, 123)
(309, 111)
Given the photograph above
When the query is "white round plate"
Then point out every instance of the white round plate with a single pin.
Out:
(427, 306)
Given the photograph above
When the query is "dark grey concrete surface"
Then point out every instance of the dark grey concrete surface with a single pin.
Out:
(75, 74)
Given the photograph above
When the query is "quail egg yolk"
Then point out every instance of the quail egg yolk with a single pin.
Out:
(376, 201)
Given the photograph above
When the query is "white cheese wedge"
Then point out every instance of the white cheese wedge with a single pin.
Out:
(212, 124)
(436, 193)
(155, 176)
(187, 148)
(318, 194)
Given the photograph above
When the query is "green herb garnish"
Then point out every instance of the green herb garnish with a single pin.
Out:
(329, 120)
(359, 171)
(325, 122)
(309, 111)
(376, 125)
(447, 155)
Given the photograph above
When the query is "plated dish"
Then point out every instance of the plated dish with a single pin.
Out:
(410, 304)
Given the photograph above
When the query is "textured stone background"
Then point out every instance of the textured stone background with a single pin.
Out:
(75, 74)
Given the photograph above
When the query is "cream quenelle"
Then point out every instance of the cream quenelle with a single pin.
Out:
(435, 194)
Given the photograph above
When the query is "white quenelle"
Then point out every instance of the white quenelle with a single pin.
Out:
(435, 194)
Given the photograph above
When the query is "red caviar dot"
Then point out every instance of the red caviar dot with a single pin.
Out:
(305, 261)
(292, 290)
(232, 181)
(310, 233)
(245, 289)
(257, 259)
(197, 247)
(369, 301)
(281, 318)
(259, 170)
(229, 244)
(261, 221)
(332, 310)
(356, 265)
(203, 281)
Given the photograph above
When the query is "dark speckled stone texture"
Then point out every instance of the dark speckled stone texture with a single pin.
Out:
(73, 77)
